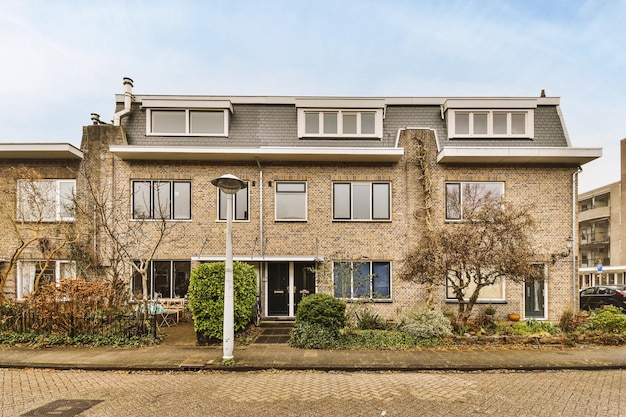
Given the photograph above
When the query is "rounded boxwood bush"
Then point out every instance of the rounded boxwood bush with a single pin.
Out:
(322, 309)
(319, 319)
(206, 297)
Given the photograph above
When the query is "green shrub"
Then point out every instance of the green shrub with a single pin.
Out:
(366, 319)
(541, 327)
(608, 319)
(322, 309)
(425, 323)
(308, 335)
(206, 297)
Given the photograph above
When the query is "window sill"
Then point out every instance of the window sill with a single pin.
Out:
(362, 221)
(161, 220)
(182, 134)
(485, 137)
(367, 300)
(341, 137)
(500, 302)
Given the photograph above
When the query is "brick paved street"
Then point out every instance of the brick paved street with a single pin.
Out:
(315, 393)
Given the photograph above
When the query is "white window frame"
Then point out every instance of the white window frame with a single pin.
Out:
(172, 203)
(529, 123)
(277, 193)
(378, 123)
(338, 293)
(371, 198)
(29, 214)
(501, 298)
(26, 272)
(187, 132)
(221, 204)
(461, 185)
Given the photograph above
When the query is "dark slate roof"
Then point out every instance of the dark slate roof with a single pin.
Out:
(258, 125)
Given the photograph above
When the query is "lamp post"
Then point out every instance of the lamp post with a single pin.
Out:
(229, 185)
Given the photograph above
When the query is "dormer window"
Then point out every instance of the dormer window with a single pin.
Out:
(490, 118)
(187, 117)
(340, 118)
(188, 122)
(490, 123)
(340, 123)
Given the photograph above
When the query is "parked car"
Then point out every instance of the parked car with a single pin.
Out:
(602, 295)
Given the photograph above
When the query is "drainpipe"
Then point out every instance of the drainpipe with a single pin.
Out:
(128, 97)
(261, 247)
(575, 237)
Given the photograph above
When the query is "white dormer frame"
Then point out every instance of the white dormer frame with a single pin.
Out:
(529, 123)
(340, 112)
(187, 106)
(490, 107)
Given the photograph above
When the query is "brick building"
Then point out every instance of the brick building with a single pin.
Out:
(334, 183)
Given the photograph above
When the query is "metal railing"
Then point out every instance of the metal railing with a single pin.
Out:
(128, 324)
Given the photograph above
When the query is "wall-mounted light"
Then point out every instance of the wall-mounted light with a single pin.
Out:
(557, 256)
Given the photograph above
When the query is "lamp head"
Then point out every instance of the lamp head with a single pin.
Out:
(229, 183)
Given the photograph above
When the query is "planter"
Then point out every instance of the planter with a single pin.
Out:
(514, 316)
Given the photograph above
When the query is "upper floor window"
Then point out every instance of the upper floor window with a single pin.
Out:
(362, 280)
(361, 201)
(46, 200)
(490, 123)
(463, 196)
(161, 200)
(240, 204)
(291, 200)
(187, 122)
(340, 123)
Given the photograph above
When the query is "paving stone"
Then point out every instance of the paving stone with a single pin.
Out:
(316, 393)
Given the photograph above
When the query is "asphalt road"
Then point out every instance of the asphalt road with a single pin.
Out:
(37, 392)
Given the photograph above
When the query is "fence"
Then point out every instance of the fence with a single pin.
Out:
(126, 324)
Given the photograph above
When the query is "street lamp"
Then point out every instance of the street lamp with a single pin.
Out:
(229, 185)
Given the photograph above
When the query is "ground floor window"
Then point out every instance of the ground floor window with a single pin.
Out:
(28, 271)
(362, 280)
(166, 279)
(490, 293)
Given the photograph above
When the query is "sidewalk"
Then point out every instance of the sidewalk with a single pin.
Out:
(176, 355)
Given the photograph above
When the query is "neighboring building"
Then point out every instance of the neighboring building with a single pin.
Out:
(338, 188)
(27, 173)
(602, 254)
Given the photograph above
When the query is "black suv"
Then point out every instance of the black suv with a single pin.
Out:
(603, 295)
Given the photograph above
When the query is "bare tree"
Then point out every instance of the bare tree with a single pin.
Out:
(122, 241)
(491, 243)
(38, 214)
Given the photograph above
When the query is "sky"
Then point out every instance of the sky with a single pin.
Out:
(63, 60)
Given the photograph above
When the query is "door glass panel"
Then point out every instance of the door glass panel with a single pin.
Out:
(182, 271)
(162, 279)
(534, 299)
(304, 281)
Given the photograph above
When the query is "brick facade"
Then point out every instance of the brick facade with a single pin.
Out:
(419, 130)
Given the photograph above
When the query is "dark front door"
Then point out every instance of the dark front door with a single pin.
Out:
(534, 299)
(303, 281)
(278, 289)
